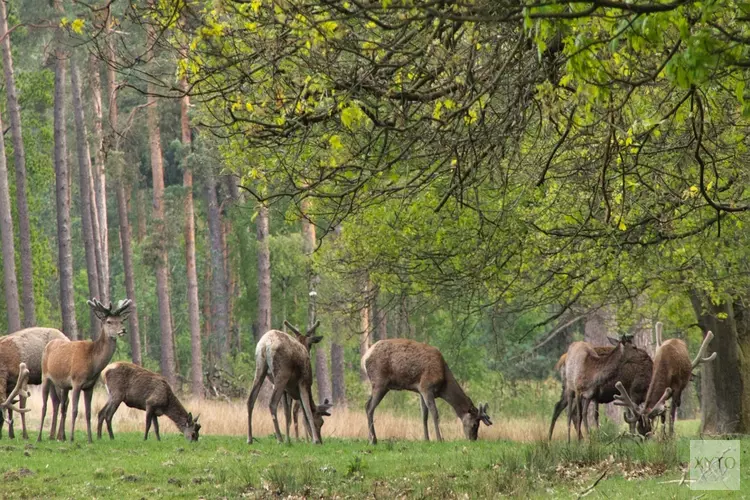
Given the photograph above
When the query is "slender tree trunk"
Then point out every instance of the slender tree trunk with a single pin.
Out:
(162, 279)
(338, 386)
(140, 215)
(84, 176)
(218, 277)
(364, 325)
(100, 180)
(19, 160)
(196, 356)
(9, 252)
(264, 273)
(62, 190)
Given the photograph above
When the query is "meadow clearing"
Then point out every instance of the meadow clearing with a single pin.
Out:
(512, 458)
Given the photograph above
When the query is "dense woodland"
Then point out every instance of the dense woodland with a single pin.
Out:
(495, 178)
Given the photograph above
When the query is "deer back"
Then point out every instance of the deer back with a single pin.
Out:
(29, 344)
(137, 386)
(279, 351)
(404, 364)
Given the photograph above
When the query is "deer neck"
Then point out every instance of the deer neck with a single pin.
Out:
(455, 396)
(177, 413)
(608, 364)
(102, 351)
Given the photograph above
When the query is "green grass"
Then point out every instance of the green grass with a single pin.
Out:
(220, 466)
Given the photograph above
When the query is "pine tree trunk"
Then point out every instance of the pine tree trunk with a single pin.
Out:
(364, 326)
(218, 277)
(84, 177)
(62, 191)
(264, 273)
(100, 181)
(338, 386)
(162, 278)
(19, 160)
(196, 355)
(9, 252)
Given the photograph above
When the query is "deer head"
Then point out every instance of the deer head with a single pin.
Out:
(192, 427)
(472, 419)
(307, 339)
(20, 389)
(640, 415)
(113, 319)
(319, 412)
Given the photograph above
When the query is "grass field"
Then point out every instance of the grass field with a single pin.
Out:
(511, 459)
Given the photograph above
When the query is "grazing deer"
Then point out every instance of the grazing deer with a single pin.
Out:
(635, 372)
(672, 372)
(145, 390)
(286, 362)
(406, 365)
(21, 390)
(24, 346)
(76, 365)
(586, 372)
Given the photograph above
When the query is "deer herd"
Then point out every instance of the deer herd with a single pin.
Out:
(622, 373)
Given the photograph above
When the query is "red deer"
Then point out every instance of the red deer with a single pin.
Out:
(24, 346)
(145, 390)
(76, 365)
(286, 362)
(586, 372)
(672, 372)
(635, 373)
(406, 365)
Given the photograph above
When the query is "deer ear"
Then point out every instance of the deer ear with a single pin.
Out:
(613, 340)
(315, 340)
(190, 417)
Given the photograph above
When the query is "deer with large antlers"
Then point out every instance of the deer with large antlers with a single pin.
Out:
(76, 366)
(406, 365)
(24, 346)
(672, 372)
(286, 362)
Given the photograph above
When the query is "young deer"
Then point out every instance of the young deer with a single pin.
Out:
(145, 390)
(635, 373)
(406, 365)
(286, 362)
(77, 365)
(24, 346)
(586, 373)
(672, 372)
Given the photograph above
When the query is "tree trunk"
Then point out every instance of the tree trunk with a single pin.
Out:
(19, 160)
(196, 355)
(162, 279)
(218, 277)
(338, 386)
(364, 326)
(264, 273)
(84, 177)
(9, 252)
(62, 190)
(725, 382)
(100, 181)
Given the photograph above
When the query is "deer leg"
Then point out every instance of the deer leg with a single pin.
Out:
(372, 402)
(148, 423)
(11, 430)
(100, 418)
(87, 407)
(559, 407)
(111, 413)
(278, 393)
(307, 408)
(295, 418)
(578, 402)
(430, 400)
(74, 414)
(287, 414)
(596, 414)
(423, 406)
(672, 417)
(156, 426)
(585, 414)
(22, 405)
(64, 399)
(2, 420)
(53, 394)
(45, 395)
(260, 375)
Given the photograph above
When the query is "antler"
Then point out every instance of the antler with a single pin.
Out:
(292, 328)
(699, 358)
(659, 328)
(312, 329)
(21, 382)
(122, 307)
(623, 399)
(99, 307)
(667, 394)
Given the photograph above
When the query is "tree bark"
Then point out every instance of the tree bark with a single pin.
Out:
(338, 386)
(162, 279)
(19, 161)
(264, 273)
(84, 177)
(100, 180)
(9, 251)
(62, 191)
(364, 326)
(196, 355)
(725, 382)
(218, 277)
